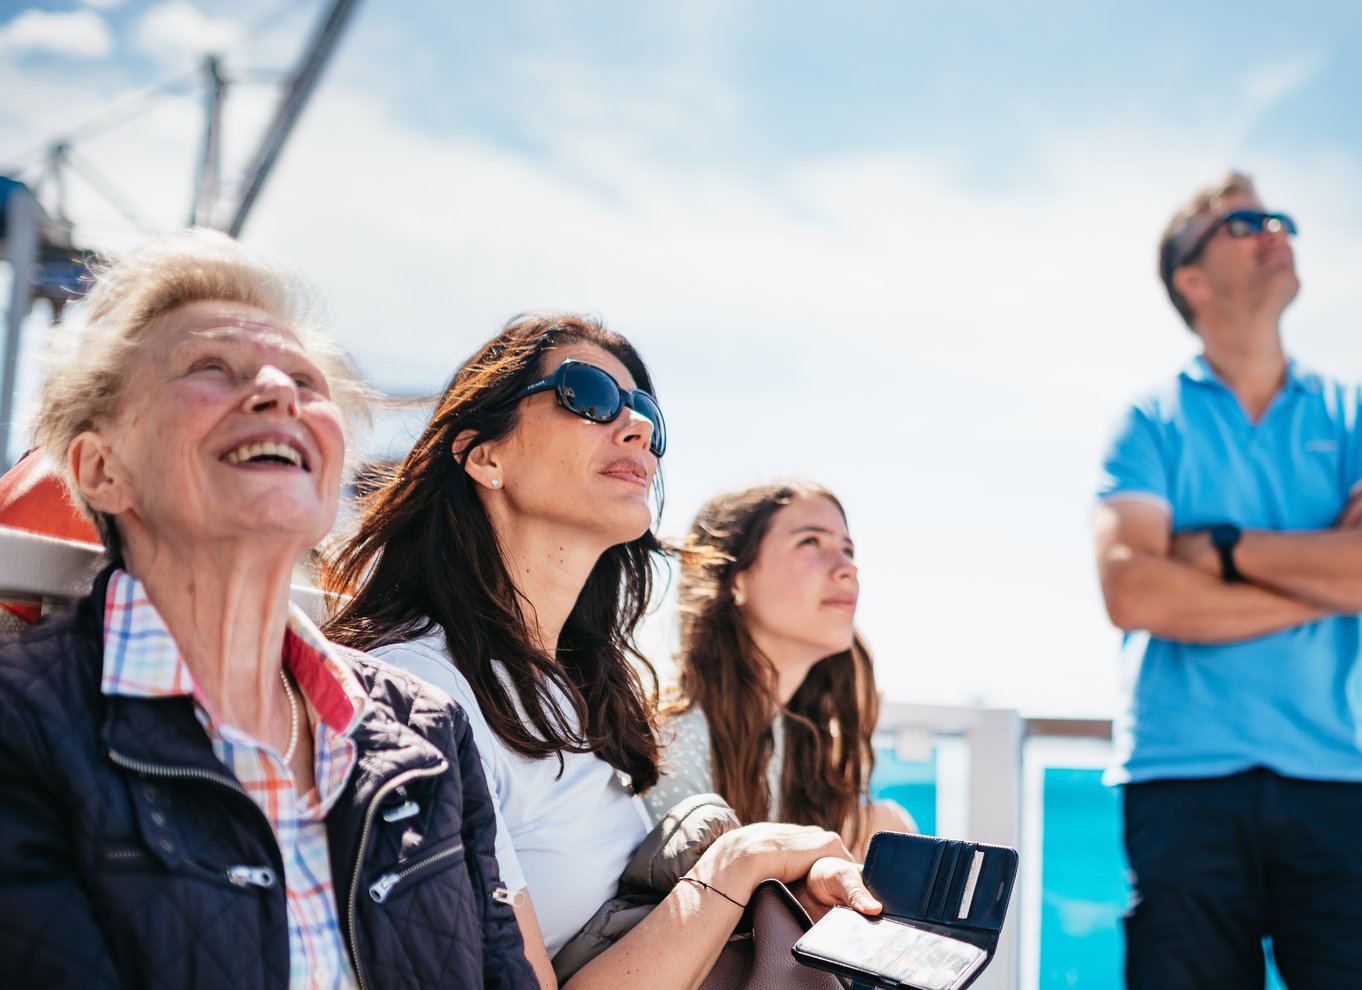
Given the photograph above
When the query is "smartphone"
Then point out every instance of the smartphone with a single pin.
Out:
(890, 950)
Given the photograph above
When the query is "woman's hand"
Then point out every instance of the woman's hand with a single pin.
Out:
(833, 881)
(746, 856)
(812, 860)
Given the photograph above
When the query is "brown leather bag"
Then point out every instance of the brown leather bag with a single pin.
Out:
(758, 957)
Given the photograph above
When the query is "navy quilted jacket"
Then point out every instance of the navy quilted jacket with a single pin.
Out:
(129, 857)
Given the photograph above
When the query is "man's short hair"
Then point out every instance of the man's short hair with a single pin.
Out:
(1184, 229)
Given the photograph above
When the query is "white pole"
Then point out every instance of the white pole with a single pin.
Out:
(22, 213)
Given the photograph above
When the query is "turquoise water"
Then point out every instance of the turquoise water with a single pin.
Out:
(1083, 886)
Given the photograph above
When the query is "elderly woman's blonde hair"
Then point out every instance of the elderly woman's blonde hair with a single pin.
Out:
(87, 366)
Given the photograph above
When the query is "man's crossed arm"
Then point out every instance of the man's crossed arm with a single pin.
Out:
(1171, 585)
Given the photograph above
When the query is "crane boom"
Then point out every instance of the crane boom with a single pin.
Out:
(290, 107)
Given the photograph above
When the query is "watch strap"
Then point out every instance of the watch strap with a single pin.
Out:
(1225, 538)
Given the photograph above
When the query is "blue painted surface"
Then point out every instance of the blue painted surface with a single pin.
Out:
(1083, 883)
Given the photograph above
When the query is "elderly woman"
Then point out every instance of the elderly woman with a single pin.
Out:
(198, 789)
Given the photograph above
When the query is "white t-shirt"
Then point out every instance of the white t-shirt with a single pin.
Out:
(565, 838)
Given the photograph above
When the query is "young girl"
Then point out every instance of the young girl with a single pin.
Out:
(509, 560)
(777, 697)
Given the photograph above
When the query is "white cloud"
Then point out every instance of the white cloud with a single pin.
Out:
(77, 33)
(104, 4)
(178, 31)
(1272, 84)
(1265, 88)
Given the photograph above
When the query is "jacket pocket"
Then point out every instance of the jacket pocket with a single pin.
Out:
(404, 874)
(126, 857)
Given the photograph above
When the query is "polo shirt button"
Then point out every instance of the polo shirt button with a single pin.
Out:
(158, 818)
(166, 844)
(150, 792)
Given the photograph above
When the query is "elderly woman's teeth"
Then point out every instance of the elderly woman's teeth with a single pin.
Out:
(265, 449)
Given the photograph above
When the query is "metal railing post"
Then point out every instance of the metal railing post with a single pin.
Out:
(22, 214)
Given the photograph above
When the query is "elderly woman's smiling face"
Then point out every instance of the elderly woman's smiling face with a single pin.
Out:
(226, 431)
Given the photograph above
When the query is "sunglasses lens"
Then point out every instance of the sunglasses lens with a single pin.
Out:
(645, 406)
(590, 393)
(1252, 223)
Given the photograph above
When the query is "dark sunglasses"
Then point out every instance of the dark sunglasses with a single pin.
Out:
(1240, 223)
(586, 391)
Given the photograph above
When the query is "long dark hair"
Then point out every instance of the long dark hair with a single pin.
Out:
(426, 556)
(830, 718)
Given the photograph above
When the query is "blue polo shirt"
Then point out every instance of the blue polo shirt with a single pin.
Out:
(1290, 701)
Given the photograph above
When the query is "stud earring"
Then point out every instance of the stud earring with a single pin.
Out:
(496, 482)
(739, 599)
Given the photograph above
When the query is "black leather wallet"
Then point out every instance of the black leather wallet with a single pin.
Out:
(944, 904)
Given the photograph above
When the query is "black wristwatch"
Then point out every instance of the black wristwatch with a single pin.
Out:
(1225, 537)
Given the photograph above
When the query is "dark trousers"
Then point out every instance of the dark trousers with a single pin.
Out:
(1218, 864)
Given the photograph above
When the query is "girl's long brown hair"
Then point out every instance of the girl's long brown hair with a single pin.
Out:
(426, 556)
(829, 720)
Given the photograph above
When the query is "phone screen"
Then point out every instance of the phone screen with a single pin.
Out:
(906, 955)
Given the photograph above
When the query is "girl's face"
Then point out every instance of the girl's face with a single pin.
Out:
(798, 597)
(558, 471)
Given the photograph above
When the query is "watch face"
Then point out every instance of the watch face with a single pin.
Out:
(1224, 536)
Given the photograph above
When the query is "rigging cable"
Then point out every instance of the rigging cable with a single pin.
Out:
(120, 114)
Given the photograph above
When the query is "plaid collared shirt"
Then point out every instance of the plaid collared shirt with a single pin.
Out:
(141, 660)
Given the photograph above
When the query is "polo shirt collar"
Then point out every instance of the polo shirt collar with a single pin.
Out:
(1297, 378)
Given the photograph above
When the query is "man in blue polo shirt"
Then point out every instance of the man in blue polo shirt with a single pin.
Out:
(1229, 547)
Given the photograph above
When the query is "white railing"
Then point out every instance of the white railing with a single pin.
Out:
(40, 570)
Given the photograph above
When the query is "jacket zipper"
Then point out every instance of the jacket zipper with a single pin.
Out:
(192, 773)
(231, 783)
(383, 886)
(260, 876)
(379, 795)
(119, 855)
(237, 876)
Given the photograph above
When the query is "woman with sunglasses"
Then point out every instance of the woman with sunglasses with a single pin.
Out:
(509, 560)
(776, 701)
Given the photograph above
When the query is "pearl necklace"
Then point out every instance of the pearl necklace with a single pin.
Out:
(292, 717)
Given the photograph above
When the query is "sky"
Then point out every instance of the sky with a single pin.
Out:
(903, 248)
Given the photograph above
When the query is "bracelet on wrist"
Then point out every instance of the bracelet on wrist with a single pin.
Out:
(709, 886)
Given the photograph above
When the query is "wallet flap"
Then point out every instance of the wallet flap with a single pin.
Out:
(942, 881)
(993, 888)
(901, 876)
(938, 899)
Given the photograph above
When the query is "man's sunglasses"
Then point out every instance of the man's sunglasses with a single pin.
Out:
(587, 391)
(1240, 223)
